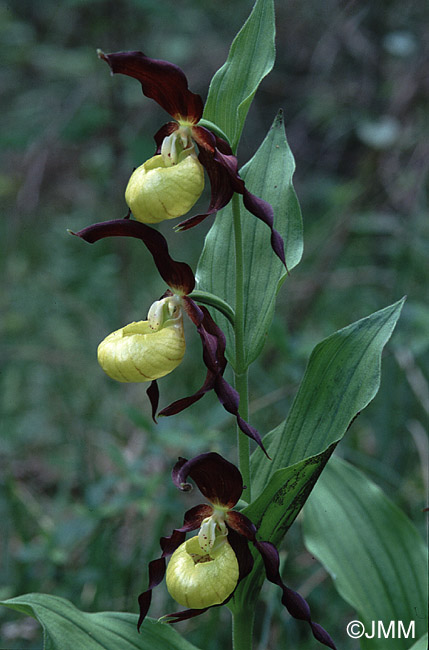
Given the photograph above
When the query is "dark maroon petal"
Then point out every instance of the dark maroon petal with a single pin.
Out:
(230, 399)
(217, 479)
(205, 139)
(220, 181)
(241, 524)
(194, 312)
(222, 168)
(153, 395)
(183, 403)
(178, 275)
(260, 208)
(263, 211)
(156, 575)
(162, 81)
(296, 605)
(194, 517)
(164, 131)
(191, 521)
(212, 337)
(240, 546)
(193, 221)
(213, 341)
(175, 475)
(176, 617)
(157, 568)
(173, 541)
(214, 344)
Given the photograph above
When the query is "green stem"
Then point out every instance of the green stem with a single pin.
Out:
(215, 128)
(242, 629)
(241, 370)
(207, 298)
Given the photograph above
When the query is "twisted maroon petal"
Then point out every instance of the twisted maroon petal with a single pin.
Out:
(230, 400)
(222, 168)
(216, 478)
(178, 275)
(213, 340)
(176, 617)
(214, 344)
(263, 211)
(163, 132)
(162, 81)
(241, 524)
(156, 575)
(296, 605)
(183, 403)
(153, 394)
(219, 176)
(240, 546)
(260, 208)
(192, 520)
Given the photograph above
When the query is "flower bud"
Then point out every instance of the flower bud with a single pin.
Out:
(146, 350)
(158, 190)
(198, 580)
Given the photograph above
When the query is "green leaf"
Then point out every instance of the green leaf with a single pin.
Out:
(268, 175)
(250, 59)
(275, 511)
(67, 628)
(372, 550)
(421, 644)
(342, 377)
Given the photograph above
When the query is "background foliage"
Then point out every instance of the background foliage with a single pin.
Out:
(82, 469)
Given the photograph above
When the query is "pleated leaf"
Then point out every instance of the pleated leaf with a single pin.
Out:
(250, 59)
(342, 377)
(372, 550)
(268, 175)
(421, 644)
(67, 628)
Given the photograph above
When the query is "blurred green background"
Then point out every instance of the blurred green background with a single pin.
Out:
(84, 473)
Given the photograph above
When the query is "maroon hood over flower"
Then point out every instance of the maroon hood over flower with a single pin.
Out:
(221, 483)
(180, 278)
(166, 83)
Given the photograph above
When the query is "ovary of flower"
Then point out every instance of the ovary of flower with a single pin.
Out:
(197, 579)
(164, 189)
(146, 350)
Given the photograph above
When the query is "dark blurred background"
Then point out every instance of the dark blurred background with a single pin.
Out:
(85, 489)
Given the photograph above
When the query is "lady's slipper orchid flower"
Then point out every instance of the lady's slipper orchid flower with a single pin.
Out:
(175, 172)
(205, 570)
(157, 190)
(148, 350)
